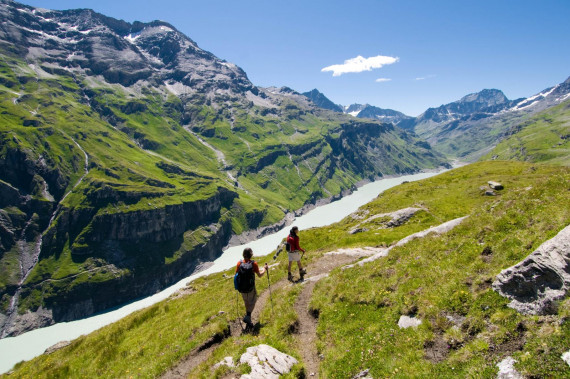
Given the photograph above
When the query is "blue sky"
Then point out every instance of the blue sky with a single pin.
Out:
(437, 51)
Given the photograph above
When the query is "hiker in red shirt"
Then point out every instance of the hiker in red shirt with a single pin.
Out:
(246, 269)
(294, 253)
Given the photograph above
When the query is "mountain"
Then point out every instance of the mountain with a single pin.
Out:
(375, 113)
(129, 157)
(471, 127)
(544, 138)
(321, 101)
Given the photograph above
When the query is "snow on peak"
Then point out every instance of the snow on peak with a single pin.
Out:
(133, 37)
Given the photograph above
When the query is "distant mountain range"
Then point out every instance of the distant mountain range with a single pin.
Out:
(467, 128)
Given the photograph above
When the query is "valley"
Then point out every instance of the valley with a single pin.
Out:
(131, 158)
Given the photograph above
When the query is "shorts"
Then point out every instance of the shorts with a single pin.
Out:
(294, 256)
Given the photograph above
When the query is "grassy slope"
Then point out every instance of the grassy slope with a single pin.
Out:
(129, 136)
(544, 138)
(359, 308)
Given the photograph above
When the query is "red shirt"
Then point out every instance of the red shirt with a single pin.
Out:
(255, 266)
(294, 242)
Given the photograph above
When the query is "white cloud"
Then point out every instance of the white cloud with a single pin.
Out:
(360, 64)
(381, 80)
(425, 77)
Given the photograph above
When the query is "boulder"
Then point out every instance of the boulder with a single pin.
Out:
(409, 322)
(566, 357)
(507, 369)
(227, 361)
(495, 185)
(266, 362)
(57, 346)
(535, 284)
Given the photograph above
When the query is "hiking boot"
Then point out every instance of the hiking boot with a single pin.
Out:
(289, 277)
(247, 319)
(302, 273)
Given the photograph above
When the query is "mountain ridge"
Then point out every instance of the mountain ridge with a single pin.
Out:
(482, 117)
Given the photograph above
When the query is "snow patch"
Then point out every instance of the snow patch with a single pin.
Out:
(561, 99)
(132, 37)
(354, 114)
(531, 100)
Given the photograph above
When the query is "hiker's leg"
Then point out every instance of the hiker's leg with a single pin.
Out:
(249, 300)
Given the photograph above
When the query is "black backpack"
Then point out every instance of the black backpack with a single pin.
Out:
(244, 279)
(287, 246)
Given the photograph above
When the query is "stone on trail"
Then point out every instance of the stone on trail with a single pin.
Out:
(507, 369)
(409, 322)
(566, 357)
(535, 284)
(266, 362)
(227, 361)
(362, 375)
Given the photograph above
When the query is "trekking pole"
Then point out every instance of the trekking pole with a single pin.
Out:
(270, 295)
(237, 311)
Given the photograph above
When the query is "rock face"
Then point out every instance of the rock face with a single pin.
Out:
(385, 115)
(322, 101)
(536, 283)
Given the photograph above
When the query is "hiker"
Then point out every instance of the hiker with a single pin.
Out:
(294, 253)
(246, 269)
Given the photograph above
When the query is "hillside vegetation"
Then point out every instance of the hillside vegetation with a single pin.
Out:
(444, 281)
(105, 184)
(544, 138)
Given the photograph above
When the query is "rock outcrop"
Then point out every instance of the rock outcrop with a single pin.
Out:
(507, 369)
(266, 362)
(535, 284)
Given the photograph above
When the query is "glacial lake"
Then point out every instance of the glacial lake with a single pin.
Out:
(31, 344)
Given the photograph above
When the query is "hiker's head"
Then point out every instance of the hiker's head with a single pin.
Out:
(294, 230)
(247, 253)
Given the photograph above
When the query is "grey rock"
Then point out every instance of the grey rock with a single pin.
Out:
(227, 361)
(495, 185)
(439, 229)
(507, 369)
(362, 375)
(542, 278)
(29, 321)
(409, 322)
(566, 357)
(490, 193)
(57, 346)
(266, 362)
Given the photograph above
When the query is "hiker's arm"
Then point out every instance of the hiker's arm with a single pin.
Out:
(262, 271)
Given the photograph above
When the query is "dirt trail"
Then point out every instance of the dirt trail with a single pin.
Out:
(307, 327)
(307, 330)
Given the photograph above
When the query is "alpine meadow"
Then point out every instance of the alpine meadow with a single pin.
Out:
(132, 159)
